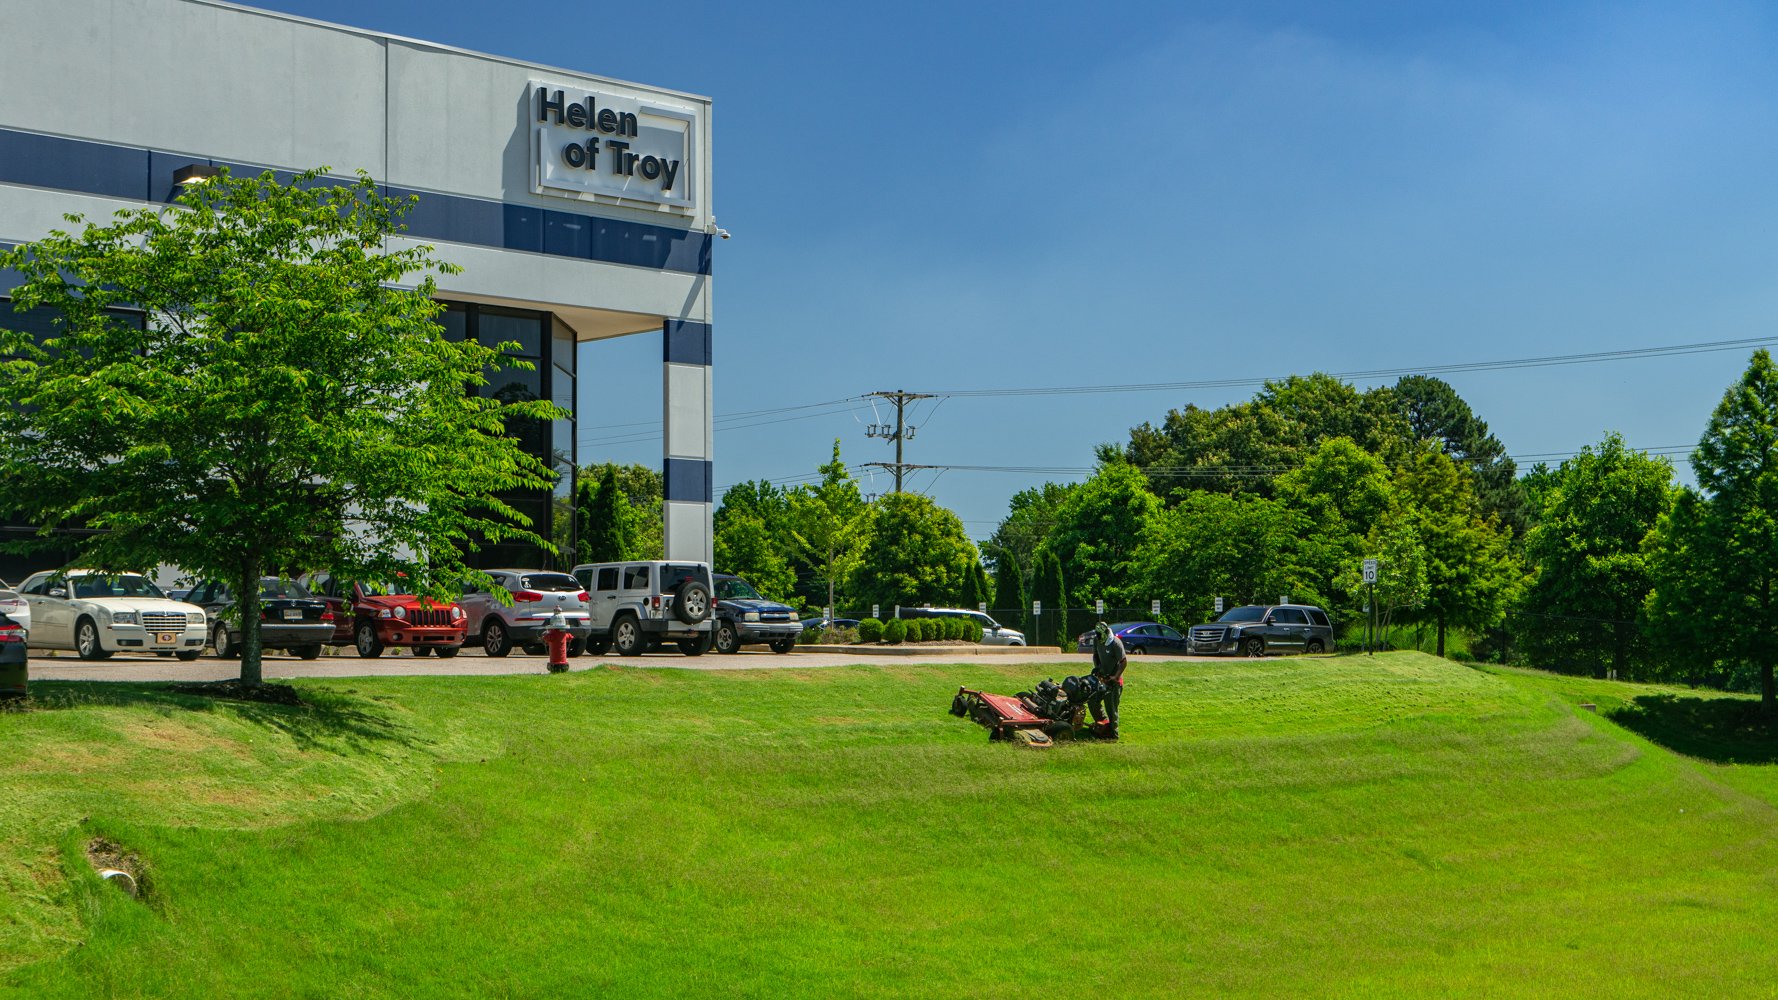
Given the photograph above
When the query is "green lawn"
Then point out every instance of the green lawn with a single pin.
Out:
(1358, 826)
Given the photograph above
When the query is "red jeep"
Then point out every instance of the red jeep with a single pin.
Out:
(372, 619)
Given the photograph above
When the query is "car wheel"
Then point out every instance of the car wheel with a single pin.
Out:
(691, 604)
(1314, 646)
(422, 650)
(446, 652)
(495, 641)
(1137, 650)
(1253, 647)
(783, 645)
(219, 638)
(311, 652)
(535, 649)
(188, 655)
(367, 642)
(698, 646)
(597, 647)
(626, 637)
(576, 646)
(86, 641)
(727, 639)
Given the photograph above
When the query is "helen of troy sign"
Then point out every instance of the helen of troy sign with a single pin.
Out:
(592, 143)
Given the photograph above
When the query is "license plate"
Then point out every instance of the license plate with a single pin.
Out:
(165, 638)
(293, 614)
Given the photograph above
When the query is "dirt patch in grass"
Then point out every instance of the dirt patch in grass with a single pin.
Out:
(108, 855)
(234, 690)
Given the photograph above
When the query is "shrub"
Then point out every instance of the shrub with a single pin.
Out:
(870, 630)
(975, 632)
(895, 631)
(954, 628)
(916, 629)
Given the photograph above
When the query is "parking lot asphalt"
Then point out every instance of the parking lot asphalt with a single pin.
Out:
(473, 663)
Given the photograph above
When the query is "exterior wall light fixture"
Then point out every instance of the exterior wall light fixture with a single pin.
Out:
(194, 173)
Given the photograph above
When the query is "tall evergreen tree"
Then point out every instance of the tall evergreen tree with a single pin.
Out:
(1009, 594)
(1435, 412)
(604, 521)
(1735, 531)
(1049, 589)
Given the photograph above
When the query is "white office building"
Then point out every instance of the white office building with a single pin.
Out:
(578, 207)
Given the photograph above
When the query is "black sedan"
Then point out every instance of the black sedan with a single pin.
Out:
(1140, 638)
(289, 617)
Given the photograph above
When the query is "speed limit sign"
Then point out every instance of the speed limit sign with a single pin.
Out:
(1370, 571)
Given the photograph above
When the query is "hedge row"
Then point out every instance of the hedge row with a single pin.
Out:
(899, 630)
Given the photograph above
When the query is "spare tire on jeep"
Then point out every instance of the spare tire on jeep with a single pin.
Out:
(691, 602)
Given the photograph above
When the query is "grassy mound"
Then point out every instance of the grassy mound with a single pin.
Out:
(1396, 825)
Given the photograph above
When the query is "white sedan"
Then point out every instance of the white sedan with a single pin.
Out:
(97, 614)
(13, 606)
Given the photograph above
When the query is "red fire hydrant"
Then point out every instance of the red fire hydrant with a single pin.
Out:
(555, 638)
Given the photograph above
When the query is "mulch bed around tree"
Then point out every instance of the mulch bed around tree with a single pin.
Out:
(234, 690)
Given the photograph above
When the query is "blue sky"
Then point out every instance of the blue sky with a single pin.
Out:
(942, 196)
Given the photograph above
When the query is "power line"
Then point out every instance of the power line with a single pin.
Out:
(1546, 361)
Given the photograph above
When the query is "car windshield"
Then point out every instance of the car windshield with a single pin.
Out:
(736, 589)
(554, 582)
(1250, 613)
(90, 587)
(272, 587)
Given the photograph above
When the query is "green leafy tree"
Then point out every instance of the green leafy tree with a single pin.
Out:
(1096, 529)
(1689, 642)
(824, 524)
(1401, 585)
(1345, 495)
(1729, 541)
(286, 401)
(1030, 517)
(1471, 570)
(753, 538)
(1243, 547)
(914, 551)
(605, 520)
(1581, 611)
(1051, 590)
(1243, 448)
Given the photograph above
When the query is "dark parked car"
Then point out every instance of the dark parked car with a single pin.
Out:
(1140, 638)
(816, 624)
(1258, 629)
(744, 617)
(289, 617)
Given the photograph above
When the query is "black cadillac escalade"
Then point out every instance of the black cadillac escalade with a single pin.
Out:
(1258, 629)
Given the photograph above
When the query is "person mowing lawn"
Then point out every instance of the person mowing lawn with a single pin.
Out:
(1109, 660)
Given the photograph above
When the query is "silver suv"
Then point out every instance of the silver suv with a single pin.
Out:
(536, 597)
(635, 606)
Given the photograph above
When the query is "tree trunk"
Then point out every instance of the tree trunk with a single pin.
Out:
(1441, 636)
(247, 603)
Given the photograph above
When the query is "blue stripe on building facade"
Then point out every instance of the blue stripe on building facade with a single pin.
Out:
(689, 480)
(98, 168)
(686, 342)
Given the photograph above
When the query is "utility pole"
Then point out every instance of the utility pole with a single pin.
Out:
(901, 431)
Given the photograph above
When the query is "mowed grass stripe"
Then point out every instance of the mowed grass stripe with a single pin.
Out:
(1396, 825)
